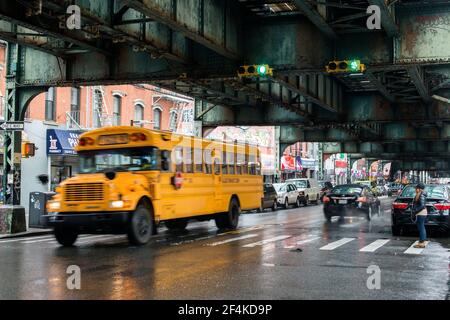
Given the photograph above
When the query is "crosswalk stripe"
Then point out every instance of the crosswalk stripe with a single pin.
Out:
(337, 244)
(95, 238)
(412, 250)
(252, 235)
(372, 247)
(308, 240)
(263, 242)
(27, 238)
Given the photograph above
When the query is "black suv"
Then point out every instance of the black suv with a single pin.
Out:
(270, 198)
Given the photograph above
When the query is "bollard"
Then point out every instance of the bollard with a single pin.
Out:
(12, 219)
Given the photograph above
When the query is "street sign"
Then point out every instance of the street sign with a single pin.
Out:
(12, 126)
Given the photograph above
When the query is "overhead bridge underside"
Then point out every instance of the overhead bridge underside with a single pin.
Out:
(397, 109)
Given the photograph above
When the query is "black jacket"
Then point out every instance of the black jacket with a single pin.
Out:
(420, 204)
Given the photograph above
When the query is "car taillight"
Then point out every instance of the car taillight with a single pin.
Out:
(399, 205)
(362, 199)
(442, 206)
(326, 199)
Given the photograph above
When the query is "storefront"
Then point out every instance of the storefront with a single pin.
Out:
(310, 167)
(61, 156)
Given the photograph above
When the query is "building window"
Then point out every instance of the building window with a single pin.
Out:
(173, 120)
(98, 108)
(117, 108)
(50, 105)
(157, 115)
(75, 105)
(139, 113)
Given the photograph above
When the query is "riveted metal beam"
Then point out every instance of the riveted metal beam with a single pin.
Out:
(387, 20)
(414, 73)
(315, 18)
(166, 19)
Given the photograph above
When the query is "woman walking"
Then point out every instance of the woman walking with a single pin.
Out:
(419, 212)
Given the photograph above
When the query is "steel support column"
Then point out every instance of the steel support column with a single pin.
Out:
(12, 140)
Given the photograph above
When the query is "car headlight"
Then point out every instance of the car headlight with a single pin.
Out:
(54, 205)
(116, 204)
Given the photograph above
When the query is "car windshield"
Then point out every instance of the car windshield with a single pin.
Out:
(133, 159)
(279, 187)
(431, 192)
(346, 190)
(299, 183)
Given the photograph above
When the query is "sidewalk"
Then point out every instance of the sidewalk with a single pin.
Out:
(29, 233)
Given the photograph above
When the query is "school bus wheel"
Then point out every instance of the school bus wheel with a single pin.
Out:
(230, 219)
(176, 224)
(141, 225)
(65, 236)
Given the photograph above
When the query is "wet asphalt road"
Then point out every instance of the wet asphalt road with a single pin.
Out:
(258, 261)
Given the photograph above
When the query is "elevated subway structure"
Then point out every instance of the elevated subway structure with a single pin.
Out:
(398, 109)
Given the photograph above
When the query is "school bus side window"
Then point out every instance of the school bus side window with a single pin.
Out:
(188, 160)
(224, 164)
(178, 159)
(217, 166)
(198, 161)
(231, 161)
(165, 160)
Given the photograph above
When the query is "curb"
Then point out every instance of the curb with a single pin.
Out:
(26, 234)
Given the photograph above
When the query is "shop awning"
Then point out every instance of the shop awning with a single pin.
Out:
(62, 142)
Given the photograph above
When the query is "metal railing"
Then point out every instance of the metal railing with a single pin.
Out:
(73, 120)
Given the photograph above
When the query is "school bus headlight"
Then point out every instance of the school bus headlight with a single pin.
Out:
(116, 204)
(54, 205)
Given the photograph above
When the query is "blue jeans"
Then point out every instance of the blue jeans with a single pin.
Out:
(421, 227)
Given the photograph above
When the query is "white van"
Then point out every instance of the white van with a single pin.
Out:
(309, 187)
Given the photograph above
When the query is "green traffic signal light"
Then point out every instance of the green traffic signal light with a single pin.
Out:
(354, 65)
(262, 69)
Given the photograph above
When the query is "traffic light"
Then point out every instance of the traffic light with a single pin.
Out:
(255, 70)
(28, 149)
(345, 66)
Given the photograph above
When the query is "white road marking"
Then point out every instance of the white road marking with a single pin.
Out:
(268, 265)
(91, 239)
(25, 239)
(374, 245)
(263, 242)
(308, 240)
(337, 244)
(252, 235)
(412, 250)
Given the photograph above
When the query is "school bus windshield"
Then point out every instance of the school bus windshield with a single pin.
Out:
(130, 159)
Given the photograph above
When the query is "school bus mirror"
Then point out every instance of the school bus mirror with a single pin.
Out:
(43, 178)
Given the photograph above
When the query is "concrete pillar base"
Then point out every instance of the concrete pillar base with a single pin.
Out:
(12, 219)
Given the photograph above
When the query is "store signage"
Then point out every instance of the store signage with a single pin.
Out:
(62, 142)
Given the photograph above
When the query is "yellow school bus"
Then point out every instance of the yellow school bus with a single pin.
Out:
(132, 178)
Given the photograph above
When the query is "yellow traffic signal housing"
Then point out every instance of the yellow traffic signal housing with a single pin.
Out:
(28, 149)
(255, 70)
(345, 66)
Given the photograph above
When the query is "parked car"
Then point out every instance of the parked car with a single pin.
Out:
(438, 207)
(287, 194)
(270, 198)
(349, 200)
(308, 189)
(393, 188)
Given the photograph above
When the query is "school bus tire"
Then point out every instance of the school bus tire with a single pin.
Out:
(230, 219)
(176, 224)
(141, 225)
(65, 236)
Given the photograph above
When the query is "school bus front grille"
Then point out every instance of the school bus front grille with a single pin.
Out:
(84, 192)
